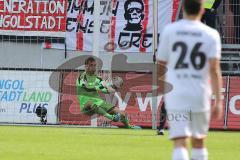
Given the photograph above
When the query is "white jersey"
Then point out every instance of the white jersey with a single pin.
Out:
(187, 46)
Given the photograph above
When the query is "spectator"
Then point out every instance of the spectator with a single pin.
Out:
(235, 67)
(235, 8)
(210, 14)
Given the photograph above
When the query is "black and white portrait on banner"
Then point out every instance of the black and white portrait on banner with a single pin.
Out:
(127, 24)
(134, 15)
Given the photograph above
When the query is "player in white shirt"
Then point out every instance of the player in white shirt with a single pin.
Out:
(191, 52)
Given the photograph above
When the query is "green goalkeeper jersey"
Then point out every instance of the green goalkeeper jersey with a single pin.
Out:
(88, 88)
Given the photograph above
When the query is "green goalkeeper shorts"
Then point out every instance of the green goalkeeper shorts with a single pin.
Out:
(95, 102)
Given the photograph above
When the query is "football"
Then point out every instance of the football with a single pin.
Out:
(117, 82)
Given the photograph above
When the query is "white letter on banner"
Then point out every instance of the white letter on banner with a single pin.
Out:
(30, 7)
(28, 20)
(44, 22)
(233, 105)
(51, 22)
(38, 4)
(60, 7)
(52, 7)
(22, 5)
(159, 98)
(148, 99)
(59, 21)
(14, 6)
(14, 21)
(143, 104)
(7, 6)
(1, 21)
(122, 104)
(45, 7)
(36, 22)
(5, 21)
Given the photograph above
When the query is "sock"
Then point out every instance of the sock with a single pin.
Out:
(180, 153)
(125, 121)
(199, 154)
(162, 121)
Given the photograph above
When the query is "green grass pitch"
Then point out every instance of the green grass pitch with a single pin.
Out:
(58, 143)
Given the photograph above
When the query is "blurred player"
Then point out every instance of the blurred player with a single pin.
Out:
(89, 85)
(163, 118)
(191, 52)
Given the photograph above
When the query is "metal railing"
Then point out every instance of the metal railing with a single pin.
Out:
(228, 23)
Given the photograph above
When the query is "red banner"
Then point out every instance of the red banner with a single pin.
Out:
(33, 17)
(136, 100)
(233, 112)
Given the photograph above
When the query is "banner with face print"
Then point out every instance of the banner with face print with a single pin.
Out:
(125, 25)
(134, 29)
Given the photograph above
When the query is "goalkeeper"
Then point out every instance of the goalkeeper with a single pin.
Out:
(89, 85)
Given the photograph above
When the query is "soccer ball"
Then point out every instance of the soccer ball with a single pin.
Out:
(117, 82)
